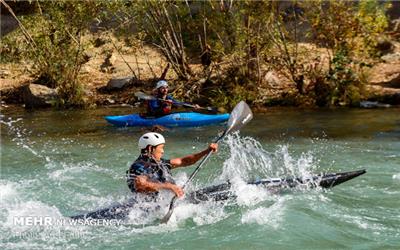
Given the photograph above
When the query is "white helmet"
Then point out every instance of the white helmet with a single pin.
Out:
(152, 139)
(161, 83)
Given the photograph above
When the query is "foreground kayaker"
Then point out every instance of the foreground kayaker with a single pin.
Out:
(163, 102)
(150, 173)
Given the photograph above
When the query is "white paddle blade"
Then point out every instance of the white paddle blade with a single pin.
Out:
(239, 116)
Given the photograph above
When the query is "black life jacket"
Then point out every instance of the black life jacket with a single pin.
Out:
(147, 166)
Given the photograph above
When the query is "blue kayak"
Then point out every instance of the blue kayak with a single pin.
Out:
(184, 119)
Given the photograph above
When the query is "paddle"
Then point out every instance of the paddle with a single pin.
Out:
(239, 116)
(144, 96)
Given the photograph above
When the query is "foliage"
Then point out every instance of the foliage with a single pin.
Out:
(163, 23)
(53, 41)
(332, 23)
(338, 24)
(229, 97)
(373, 22)
(342, 79)
(350, 31)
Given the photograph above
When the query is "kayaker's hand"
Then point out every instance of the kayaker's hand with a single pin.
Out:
(196, 106)
(177, 190)
(170, 102)
(213, 147)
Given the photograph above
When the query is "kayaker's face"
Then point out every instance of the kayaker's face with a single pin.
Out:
(163, 91)
(158, 152)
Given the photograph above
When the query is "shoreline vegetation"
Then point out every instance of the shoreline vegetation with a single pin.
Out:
(82, 54)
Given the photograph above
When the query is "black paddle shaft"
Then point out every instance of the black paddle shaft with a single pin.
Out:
(202, 162)
(144, 96)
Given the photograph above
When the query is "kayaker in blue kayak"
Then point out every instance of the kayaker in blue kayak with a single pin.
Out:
(151, 173)
(162, 103)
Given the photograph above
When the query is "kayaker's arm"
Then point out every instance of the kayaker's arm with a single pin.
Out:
(143, 184)
(193, 158)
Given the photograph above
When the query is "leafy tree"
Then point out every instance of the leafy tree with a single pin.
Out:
(373, 21)
(53, 42)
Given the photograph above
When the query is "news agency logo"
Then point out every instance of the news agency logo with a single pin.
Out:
(51, 221)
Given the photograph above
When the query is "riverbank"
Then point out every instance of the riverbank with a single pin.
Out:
(108, 79)
(108, 69)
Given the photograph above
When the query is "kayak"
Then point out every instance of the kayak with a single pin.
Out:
(182, 119)
(222, 192)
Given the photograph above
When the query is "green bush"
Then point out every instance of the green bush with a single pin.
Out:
(53, 42)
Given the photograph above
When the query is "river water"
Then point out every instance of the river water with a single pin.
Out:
(60, 163)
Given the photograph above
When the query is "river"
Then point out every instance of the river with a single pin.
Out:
(56, 164)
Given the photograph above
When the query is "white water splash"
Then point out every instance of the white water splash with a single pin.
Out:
(202, 214)
(8, 191)
(271, 216)
(248, 195)
(247, 156)
(249, 160)
(15, 207)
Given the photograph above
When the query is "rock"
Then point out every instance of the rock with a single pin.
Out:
(8, 23)
(394, 57)
(386, 75)
(369, 104)
(383, 94)
(38, 96)
(119, 83)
